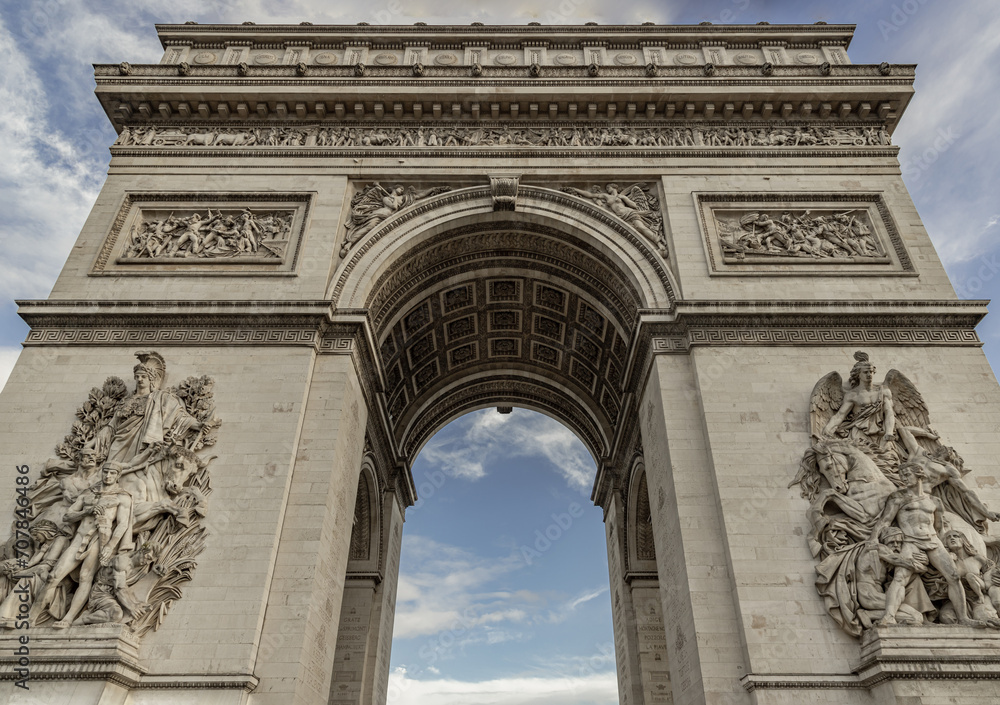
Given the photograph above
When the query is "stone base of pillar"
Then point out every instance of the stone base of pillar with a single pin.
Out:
(107, 657)
(928, 653)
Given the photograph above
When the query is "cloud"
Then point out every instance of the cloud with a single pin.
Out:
(47, 182)
(591, 689)
(447, 592)
(568, 607)
(587, 597)
(948, 149)
(465, 448)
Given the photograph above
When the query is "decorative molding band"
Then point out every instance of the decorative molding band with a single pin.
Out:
(928, 652)
(796, 681)
(805, 323)
(335, 345)
(833, 336)
(131, 677)
(677, 344)
(174, 323)
(157, 336)
(487, 75)
(233, 681)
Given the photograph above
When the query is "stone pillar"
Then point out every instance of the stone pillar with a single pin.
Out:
(364, 639)
(295, 662)
(622, 610)
(705, 644)
(384, 605)
(654, 666)
(352, 641)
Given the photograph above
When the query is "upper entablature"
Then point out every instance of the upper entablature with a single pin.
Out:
(506, 45)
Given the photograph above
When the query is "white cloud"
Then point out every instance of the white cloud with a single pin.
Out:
(568, 607)
(587, 597)
(465, 451)
(448, 591)
(591, 689)
(47, 184)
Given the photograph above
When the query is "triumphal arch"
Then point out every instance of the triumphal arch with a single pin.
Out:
(318, 244)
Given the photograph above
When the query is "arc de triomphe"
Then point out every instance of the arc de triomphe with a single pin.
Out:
(319, 244)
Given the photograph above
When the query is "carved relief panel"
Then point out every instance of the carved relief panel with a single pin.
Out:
(170, 233)
(898, 534)
(851, 234)
(110, 530)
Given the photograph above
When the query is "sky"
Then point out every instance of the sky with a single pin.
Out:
(476, 623)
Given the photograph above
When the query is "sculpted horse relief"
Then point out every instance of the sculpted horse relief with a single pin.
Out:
(887, 505)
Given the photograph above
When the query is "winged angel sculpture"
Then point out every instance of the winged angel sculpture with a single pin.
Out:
(634, 204)
(900, 537)
(371, 206)
(110, 530)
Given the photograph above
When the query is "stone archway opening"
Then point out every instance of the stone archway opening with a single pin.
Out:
(538, 309)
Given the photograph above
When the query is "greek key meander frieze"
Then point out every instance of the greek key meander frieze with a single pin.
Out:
(199, 233)
(499, 135)
(899, 536)
(109, 531)
(175, 336)
(781, 233)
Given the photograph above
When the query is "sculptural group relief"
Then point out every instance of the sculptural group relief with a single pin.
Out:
(458, 135)
(817, 234)
(173, 233)
(204, 234)
(899, 536)
(110, 530)
(636, 204)
(373, 204)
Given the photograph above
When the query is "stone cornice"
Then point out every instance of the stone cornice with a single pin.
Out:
(508, 33)
(202, 322)
(804, 323)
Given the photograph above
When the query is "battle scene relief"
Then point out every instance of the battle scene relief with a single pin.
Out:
(898, 534)
(110, 530)
(818, 235)
(225, 233)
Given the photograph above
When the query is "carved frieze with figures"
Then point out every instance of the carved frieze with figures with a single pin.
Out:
(429, 137)
(223, 233)
(114, 521)
(204, 234)
(797, 233)
(898, 534)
